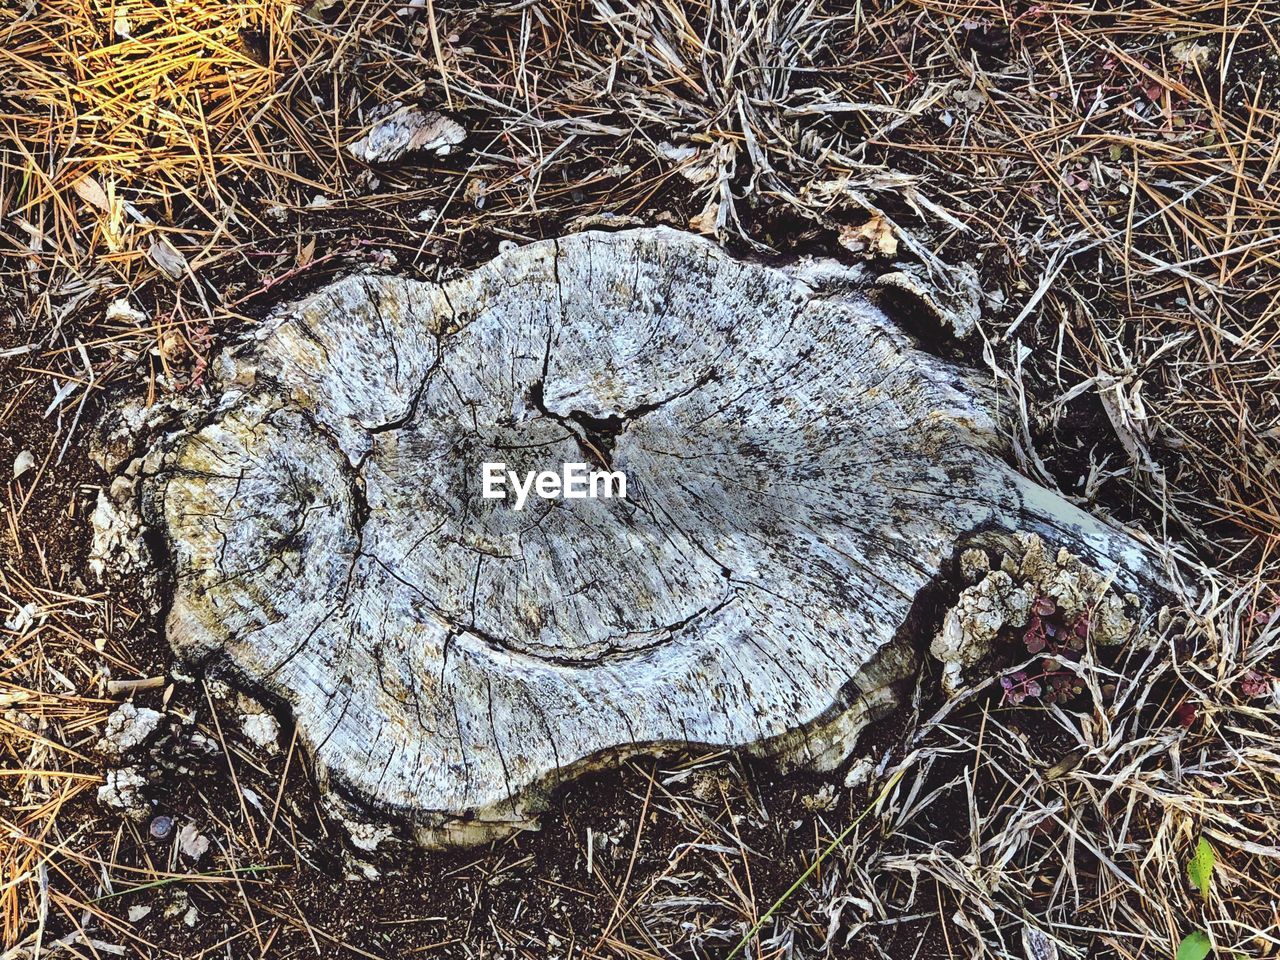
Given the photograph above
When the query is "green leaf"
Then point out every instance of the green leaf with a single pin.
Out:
(1194, 946)
(1200, 867)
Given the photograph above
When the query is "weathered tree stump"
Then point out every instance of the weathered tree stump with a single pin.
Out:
(798, 474)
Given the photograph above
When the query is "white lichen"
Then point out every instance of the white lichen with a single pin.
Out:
(123, 791)
(974, 565)
(261, 728)
(117, 531)
(128, 727)
(1002, 599)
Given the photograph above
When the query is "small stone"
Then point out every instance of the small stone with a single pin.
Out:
(875, 238)
(138, 913)
(27, 616)
(699, 167)
(22, 463)
(191, 842)
(254, 799)
(122, 311)
(1190, 54)
(1038, 946)
(200, 745)
(167, 258)
(824, 798)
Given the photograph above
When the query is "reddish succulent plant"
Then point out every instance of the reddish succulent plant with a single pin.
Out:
(1049, 631)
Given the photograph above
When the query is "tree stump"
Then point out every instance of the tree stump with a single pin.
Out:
(798, 475)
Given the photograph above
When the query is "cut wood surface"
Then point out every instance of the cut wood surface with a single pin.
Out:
(797, 474)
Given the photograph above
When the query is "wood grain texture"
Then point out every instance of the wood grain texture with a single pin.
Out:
(798, 472)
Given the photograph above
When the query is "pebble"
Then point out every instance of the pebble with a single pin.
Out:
(22, 463)
(192, 842)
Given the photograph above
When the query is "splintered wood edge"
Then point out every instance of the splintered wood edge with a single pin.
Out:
(800, 475)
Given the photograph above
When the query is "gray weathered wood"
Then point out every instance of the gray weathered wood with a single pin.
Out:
(798, 474)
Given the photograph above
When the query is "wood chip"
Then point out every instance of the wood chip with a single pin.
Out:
(410, 129)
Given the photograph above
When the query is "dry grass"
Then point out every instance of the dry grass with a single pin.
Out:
(1079, 826)
(1109, 168)
(132, 93)
(42, 734)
